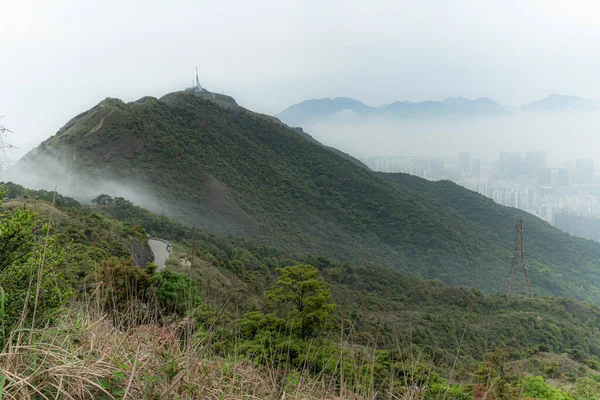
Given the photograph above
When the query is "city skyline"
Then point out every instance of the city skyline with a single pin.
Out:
(566, 196)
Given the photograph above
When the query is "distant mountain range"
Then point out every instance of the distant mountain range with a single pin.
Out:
(559, 103)
(317, 110)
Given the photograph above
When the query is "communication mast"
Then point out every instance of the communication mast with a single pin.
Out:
(518, 264)
(196, 87)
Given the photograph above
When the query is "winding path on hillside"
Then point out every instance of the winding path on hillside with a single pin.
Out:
(97, 127)
(161, 254)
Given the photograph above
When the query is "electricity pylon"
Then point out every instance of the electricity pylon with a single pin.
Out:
(518, 263)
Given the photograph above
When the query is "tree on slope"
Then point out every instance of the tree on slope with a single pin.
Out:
(305, 297)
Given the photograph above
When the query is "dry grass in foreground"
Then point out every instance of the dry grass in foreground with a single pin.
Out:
(89, 358)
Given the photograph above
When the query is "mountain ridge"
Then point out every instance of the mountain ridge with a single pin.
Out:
(233, 172)
(326, 109)
(558, 103)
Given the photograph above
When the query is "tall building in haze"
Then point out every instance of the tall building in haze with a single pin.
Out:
(584, 171)
(544, 176)
(511, 165)
(464, 162)
(476, 168)
(564, 177)
(533, 161)
(537, 159)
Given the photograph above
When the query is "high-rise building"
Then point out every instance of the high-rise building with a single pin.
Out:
(514, 165)
(584, 171)
(476, 168)
(536, 159)
(513, 198)
(419, 166)
(464, 162)
(530, 199)
(544, 176)
(502, 157)
(563, 177)
(511, 165)
(576, 225)
(436, 165)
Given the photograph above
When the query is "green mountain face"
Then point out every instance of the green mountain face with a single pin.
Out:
(230, 171)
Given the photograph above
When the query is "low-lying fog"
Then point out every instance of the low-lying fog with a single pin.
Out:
(564, 136)
(60, 173)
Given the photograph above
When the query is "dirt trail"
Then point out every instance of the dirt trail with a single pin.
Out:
(97, 127)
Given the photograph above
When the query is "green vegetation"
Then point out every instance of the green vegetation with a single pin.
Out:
(262, 320)
(232, 172)
(536, 388)
(559, 264)
(280, 282)
(431, 312)
(174, 292)
(305, 298)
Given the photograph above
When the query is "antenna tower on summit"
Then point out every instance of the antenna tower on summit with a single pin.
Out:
(518, 264)
(195, 85)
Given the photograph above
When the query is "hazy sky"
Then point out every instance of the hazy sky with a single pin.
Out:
(62, 57)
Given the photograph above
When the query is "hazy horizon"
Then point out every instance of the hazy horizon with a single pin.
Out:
(64, 58)
(563, 136)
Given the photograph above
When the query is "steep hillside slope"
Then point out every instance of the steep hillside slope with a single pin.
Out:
(86, 238)
(561, 263)
(231, 171)
(340, 153)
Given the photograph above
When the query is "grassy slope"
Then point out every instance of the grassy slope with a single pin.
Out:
(233, 171)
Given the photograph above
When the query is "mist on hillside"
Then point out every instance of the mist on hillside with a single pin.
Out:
(564, 136)
(58, 173)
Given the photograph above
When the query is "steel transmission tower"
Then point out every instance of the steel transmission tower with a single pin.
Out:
(518, 264)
